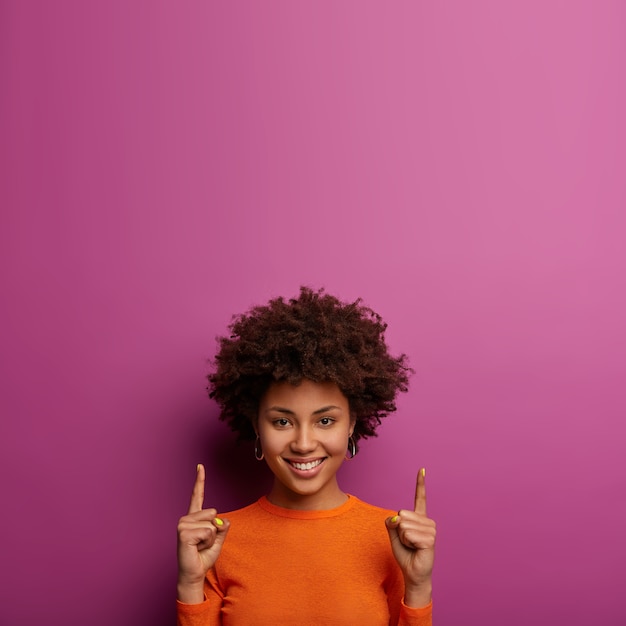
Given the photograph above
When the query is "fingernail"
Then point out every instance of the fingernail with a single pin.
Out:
(423, 472)
(198, 467)
(219, 522)
(394, 519)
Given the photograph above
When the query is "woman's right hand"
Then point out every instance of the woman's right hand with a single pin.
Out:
(201, 535)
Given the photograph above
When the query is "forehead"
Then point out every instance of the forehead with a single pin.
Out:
(308, 395)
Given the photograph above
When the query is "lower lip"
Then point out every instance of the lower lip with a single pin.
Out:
(307, 473)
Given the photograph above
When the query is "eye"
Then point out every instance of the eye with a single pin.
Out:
(281, 422)
(326, 421)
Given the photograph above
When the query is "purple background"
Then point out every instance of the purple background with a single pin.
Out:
(459, 165)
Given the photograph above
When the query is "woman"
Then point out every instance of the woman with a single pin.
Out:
(306, 380)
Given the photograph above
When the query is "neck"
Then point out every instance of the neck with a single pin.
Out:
(329, 498)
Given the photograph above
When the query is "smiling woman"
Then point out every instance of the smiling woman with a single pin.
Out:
(306, 379)
(303, 432)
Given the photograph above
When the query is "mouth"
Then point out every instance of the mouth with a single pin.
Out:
(307, 466)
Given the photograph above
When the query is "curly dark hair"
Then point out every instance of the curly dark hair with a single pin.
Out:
(314, 336)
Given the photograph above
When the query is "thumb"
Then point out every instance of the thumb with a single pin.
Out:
(222, 531)
(392, 526)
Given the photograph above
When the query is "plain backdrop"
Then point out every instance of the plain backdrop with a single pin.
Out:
(458, 165)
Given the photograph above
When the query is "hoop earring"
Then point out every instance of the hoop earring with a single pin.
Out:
(352, 449)
(258, 449)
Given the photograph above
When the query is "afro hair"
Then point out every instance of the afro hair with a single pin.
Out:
(315, 337)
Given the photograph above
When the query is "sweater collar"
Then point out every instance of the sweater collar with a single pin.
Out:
(280, 511)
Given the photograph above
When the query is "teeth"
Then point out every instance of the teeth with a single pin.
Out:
(307, 466)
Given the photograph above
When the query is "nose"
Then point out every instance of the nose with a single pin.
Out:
(304, 440)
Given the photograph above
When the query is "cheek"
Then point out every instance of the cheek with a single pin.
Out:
(273, 440)
(339, 442)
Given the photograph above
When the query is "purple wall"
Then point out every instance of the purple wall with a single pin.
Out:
(458, 165)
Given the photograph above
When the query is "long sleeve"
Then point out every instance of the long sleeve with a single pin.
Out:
(206, 613)
(283, 567)
(194, 614)
(410, 616)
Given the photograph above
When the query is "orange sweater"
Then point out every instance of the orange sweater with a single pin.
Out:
(282, 566)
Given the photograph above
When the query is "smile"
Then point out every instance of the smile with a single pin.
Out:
(305, 467)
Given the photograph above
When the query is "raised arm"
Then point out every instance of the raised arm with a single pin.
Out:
(412, 536)
(201, 535)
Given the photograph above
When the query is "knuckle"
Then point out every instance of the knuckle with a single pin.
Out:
(183, 524)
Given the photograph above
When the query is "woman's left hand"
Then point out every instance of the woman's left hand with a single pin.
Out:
(412, 536)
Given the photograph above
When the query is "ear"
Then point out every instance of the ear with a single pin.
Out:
(352, 425)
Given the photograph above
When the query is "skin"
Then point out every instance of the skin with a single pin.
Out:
(412, 535)
(200, 540)
(307, 423)
(296, 424)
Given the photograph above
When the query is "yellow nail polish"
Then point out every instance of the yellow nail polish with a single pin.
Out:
(198, 467)
(219, 522)
(394, 519)
(423, 472)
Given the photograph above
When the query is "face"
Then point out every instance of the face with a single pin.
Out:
(304, 433)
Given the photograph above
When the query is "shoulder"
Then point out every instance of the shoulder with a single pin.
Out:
(371, 508)
(249, 511)
(370, 511)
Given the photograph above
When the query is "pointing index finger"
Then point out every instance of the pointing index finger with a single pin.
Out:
(197, 495)
(420, 492)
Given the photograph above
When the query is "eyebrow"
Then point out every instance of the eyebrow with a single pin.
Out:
(324, 409)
